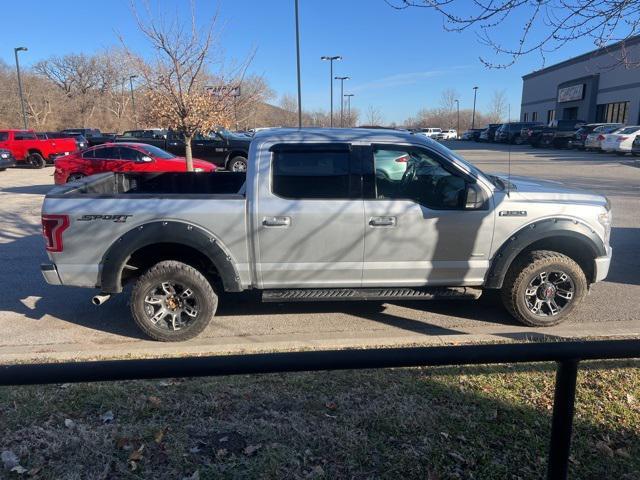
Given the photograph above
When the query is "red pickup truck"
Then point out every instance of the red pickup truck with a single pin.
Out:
(26, 148)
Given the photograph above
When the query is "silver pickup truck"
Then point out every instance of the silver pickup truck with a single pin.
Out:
(326, 215)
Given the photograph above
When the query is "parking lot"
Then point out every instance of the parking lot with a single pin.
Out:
(39, 321)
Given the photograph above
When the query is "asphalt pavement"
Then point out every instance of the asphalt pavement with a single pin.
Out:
(43, 322)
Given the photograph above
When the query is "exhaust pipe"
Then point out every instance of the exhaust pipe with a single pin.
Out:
(100, 299)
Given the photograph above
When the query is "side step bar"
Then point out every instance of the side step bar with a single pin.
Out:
(342, 294)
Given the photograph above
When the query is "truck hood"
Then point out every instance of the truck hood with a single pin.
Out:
(537, 190)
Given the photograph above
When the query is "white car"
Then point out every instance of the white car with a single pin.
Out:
(435, 133)
(621, 141)
(450, 134)
(595, 138)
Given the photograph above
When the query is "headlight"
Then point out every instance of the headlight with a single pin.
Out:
(4, 155)
(605, 219)
(198, 169)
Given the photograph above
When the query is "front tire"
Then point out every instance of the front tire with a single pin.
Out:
(543, 287)
(173, 302)
(74, 177)
(238, 164)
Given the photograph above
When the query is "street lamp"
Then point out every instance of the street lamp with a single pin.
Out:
(458, 122)
(473, 117)
(331, 60)
(133, 102)
(349, 95)
(298, 66)
(342, 79)
(24, 113)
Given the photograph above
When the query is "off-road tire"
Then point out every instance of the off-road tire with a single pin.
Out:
(36, 160)
(237, 161)
(528, 267)
(173, 271)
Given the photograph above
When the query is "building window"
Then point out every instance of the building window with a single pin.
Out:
(551, 115)
(534, 117)
(526, 117)
(612, 112)
(570, 113)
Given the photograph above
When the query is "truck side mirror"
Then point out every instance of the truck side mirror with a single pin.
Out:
(475, 198)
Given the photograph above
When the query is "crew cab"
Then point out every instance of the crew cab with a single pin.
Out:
(27, 148)
(222, 147)
(314, 219)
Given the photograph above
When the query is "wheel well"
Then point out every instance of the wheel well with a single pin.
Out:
(33, 150)
(146, 257)
(574, 248)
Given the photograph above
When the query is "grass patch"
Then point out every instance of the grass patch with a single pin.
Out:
(483, 422)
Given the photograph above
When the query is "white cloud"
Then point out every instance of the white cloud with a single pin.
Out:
(402, 79)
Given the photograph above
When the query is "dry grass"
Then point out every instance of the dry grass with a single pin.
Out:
(437, 423)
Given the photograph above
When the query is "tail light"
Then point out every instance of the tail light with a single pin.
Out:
(403, 159)
(600, 138)
(52, 228)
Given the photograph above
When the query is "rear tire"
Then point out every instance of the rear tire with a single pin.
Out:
(543, 287)
(173, 302)
(36, 160)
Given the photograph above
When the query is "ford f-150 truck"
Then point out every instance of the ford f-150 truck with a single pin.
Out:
(315, 219)
(27, 148)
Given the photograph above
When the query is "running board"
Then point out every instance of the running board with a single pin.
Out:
(342, 294)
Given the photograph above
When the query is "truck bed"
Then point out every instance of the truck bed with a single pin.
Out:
(211, 185)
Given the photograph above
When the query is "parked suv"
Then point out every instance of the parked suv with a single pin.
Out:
(488, 134)
(435, 133)
(512, 132)
(312, 220)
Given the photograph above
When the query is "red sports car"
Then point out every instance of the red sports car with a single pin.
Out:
(122, 157)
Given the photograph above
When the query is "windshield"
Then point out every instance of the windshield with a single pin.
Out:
(157, 152)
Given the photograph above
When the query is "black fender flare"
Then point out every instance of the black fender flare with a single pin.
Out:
(540, 230)
(118, 254)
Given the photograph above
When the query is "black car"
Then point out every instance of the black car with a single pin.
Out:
(81, 142)
(92, 135)
(488, 134)
(557, 134)
(6, 160)
(512, 132)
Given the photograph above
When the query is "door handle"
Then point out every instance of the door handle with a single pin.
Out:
(199, 144)
(276, 221)
(382, 221)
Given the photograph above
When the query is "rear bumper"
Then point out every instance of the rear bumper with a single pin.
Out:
(50, 274)
(601, 266)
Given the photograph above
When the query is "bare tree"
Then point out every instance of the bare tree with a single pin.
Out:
(181, 92)
(545, 25)
(374, 116)
(497, 107)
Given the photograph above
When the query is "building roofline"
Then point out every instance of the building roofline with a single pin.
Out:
(585, 56)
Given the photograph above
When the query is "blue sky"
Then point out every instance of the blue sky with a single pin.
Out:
(399, 61)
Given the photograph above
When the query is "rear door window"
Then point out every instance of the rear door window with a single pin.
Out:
(109, 153)
(311, 174)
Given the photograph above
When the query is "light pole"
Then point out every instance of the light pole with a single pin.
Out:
(342, 79)
(298, 66)
(24, 113)
(133, 102)
(473, 116)
(331, 60)
(458, 121)
(349, 95)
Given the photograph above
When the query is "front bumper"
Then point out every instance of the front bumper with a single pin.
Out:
(7, 162)
(50, 274)
(601, 266)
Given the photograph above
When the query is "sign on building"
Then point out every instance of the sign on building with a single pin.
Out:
(568, 94)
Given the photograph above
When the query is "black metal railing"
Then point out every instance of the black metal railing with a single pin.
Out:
(566, 354)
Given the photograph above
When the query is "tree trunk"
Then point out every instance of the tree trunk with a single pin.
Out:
(187, 153)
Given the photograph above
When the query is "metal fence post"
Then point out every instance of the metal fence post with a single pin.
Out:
(562, 423)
